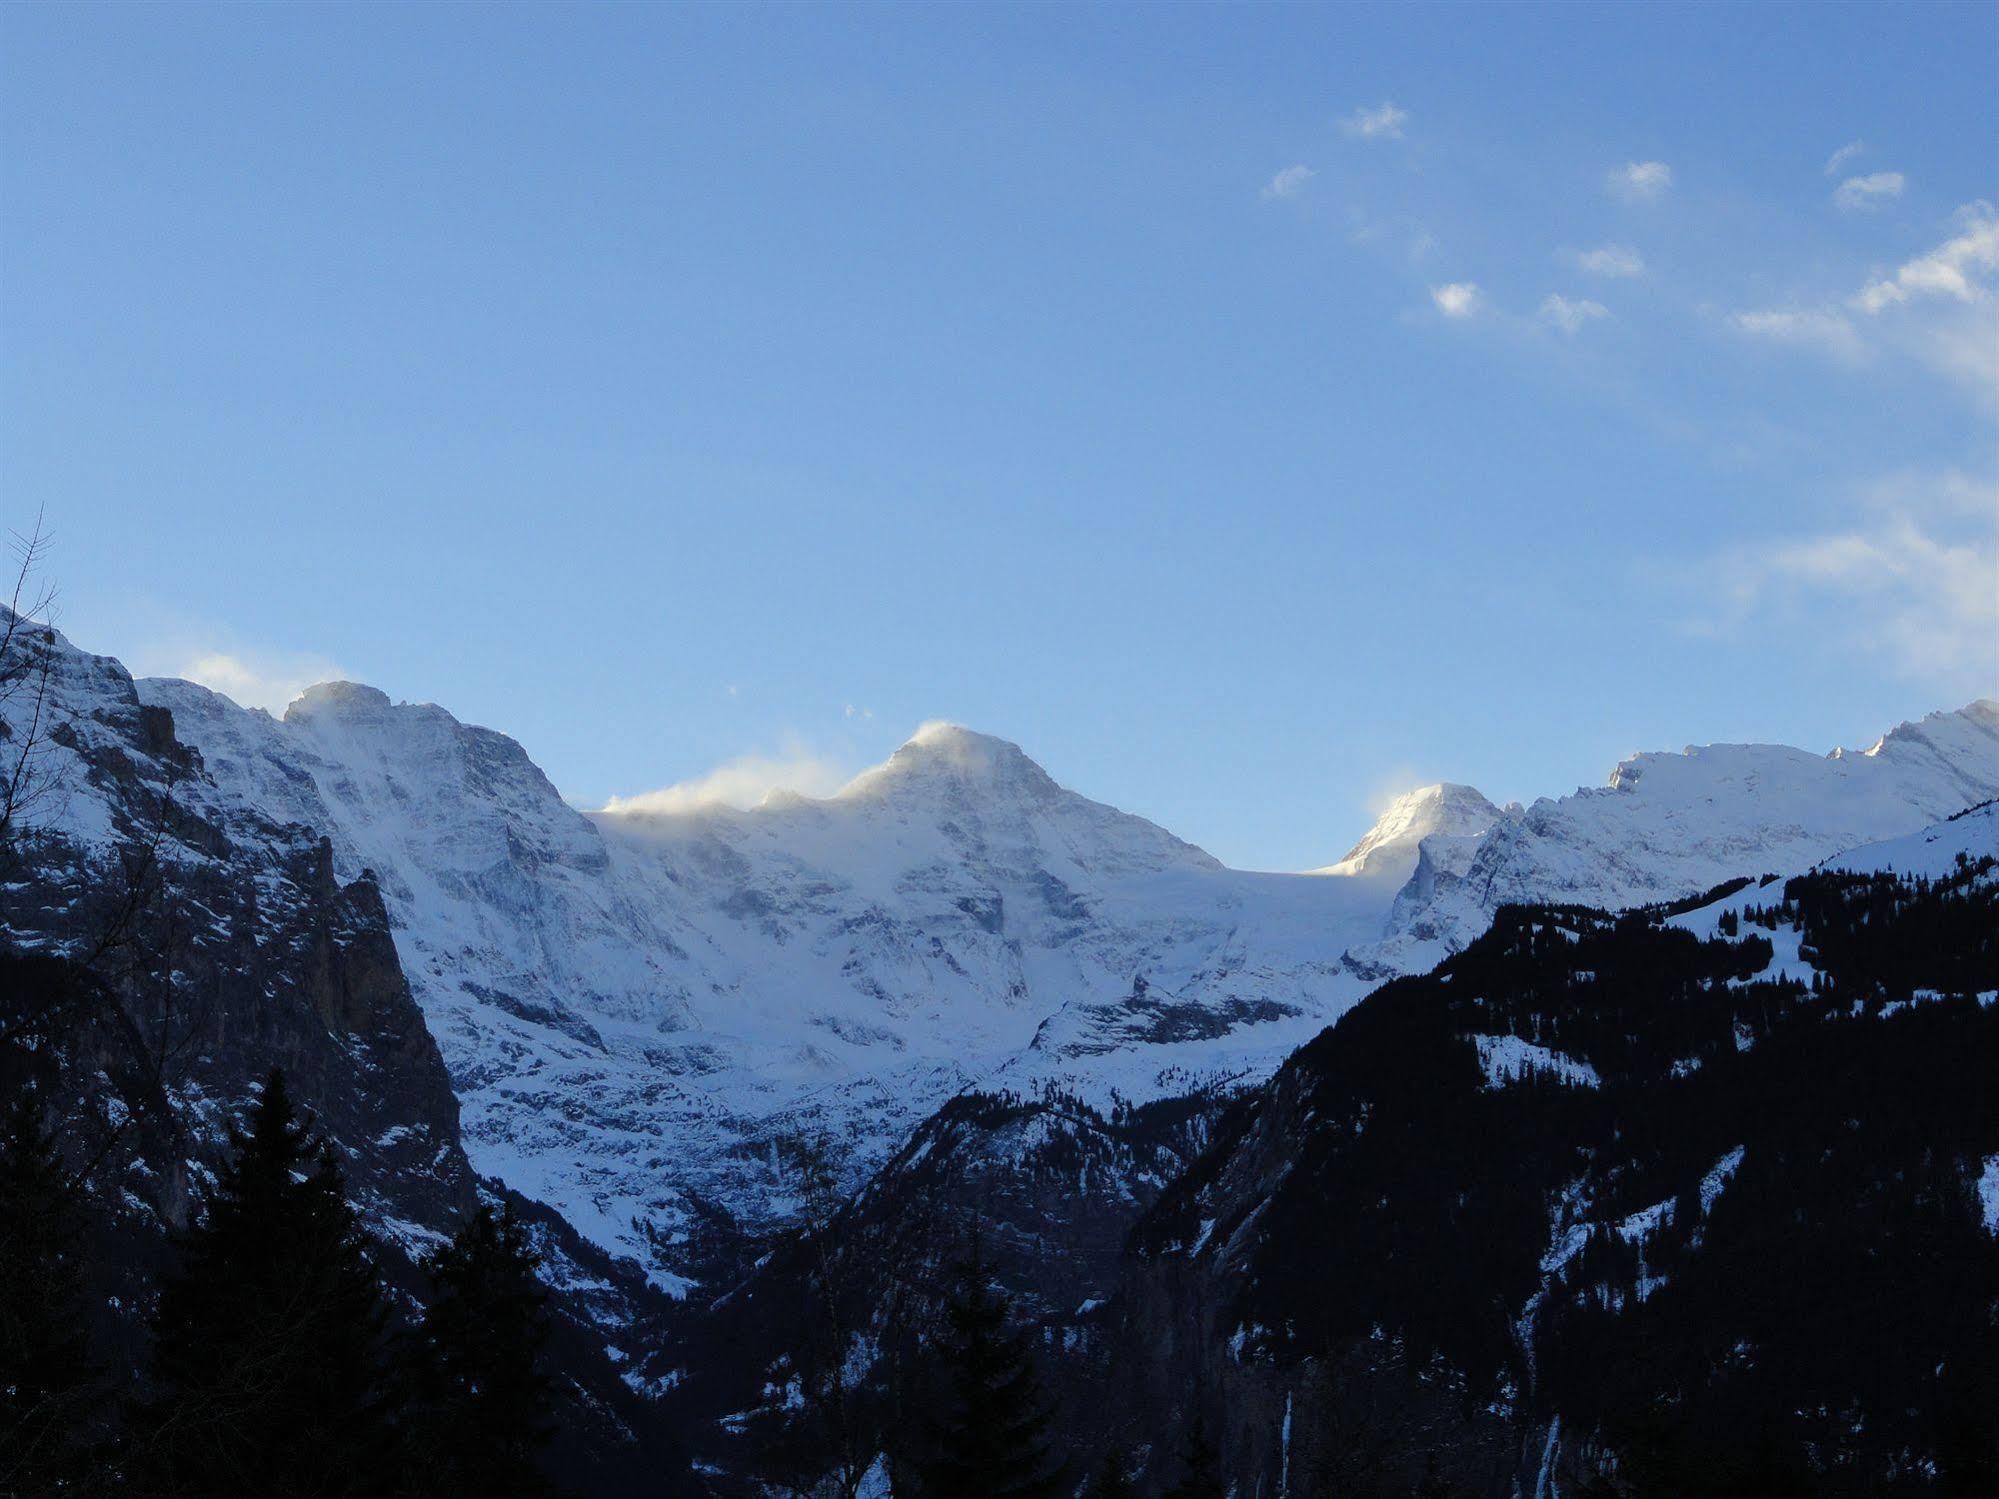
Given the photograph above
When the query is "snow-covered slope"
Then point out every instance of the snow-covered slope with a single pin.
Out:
(635, 1006)
(1669, 825)
(1389, 851)
(1931, 853)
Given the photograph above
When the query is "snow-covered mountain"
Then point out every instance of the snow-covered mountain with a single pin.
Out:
(634, 1006)
(1389, 851)
(1668, 825)
(124, 853)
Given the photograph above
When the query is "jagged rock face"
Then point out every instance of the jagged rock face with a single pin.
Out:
(231, 947)
(1583, 1203)
(221, 942)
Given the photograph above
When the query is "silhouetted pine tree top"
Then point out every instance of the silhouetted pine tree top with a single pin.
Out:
(1113, 1477)
(989, 1440)
(478, 1407)
(267, 1351)
(48, 1385)
(1200, 1464)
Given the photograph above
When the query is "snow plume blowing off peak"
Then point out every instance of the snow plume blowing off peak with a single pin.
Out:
(745, 782)
(939, 752)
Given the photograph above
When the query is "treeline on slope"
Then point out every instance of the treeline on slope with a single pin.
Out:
(275, 1365)
(1783, 1281)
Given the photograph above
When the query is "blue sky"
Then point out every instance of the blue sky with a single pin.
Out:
(1174, 390)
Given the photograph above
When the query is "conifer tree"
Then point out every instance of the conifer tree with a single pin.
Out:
(1113, 1480)
(990, 1437)
(478, 1405)
(1201, 1465)
(267, 1341)
(48, 1386)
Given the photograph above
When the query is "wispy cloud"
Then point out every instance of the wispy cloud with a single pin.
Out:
(1940, 308)
(743, 782)
(1571, 314)
(1383, 122)
(1950, 270)
(1612, 262)
(254, 679)
(1912, 577)
(1817, 328)
(1863, 194)
(1288, 183)
(1641, 181)
(1457, 299)
(1937, 308)
(1836, 163)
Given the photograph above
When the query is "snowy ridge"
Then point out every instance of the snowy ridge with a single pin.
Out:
(1667, 826)
(1973, 833)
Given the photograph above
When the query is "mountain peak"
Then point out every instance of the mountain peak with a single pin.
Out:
(1977, 718)
(338, 699)
(1389, 847)
(941, 753)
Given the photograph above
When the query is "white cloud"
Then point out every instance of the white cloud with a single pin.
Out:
(1288, 183)
(742, 782)
(1862, 194)
(1613, 262)
(1641, 181)
(853, 711)
(1456, 299)
(1913, 577)
(252, 679)
(1809, 327)
(1842, 156)
(1571, 314)
(1384, 121)
(1950, 270)
(1937, 308)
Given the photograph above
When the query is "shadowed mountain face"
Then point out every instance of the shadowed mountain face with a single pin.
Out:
(1696, 1200)
(163, 946)
(229, 942)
